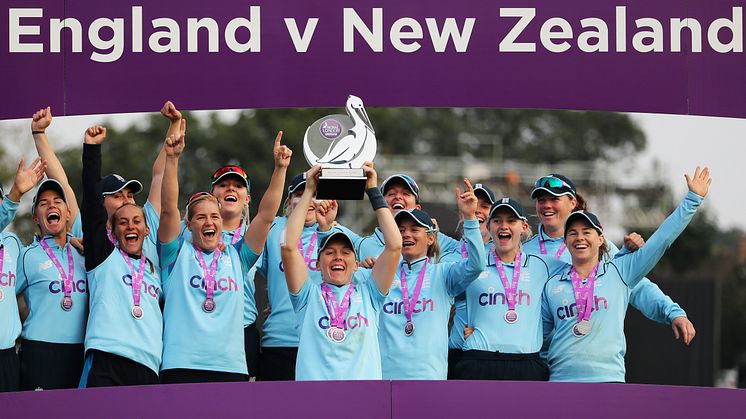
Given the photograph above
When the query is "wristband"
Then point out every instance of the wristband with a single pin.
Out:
(376, 199)
(37, 132)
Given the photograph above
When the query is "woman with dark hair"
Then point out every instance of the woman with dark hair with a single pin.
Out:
(123, 341)
(422, 294)
(587, 337)
(338, 318)
(556, 197)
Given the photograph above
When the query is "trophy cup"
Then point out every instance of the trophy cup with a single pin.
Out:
(341, 144)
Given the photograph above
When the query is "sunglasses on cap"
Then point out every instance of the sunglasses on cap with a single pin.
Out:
(229, 169)
(551, 182)
(198, 196)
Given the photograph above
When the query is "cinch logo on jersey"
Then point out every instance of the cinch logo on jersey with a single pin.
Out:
(313, 265)
(223, 284)
(151, 290)
(55, 287)
(352, 322)
(499, 298)
(8, 279)
(570, 311)
(421, 305)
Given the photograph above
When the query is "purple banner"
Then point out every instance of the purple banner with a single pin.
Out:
(86, 57)
(378, 399)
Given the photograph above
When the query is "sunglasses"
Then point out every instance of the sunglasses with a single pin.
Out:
(551, 182)
(198, 196)
(229, 169)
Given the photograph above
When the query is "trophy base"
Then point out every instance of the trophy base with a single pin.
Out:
(341, 184)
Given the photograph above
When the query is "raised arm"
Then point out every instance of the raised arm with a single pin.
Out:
(636, 265)
(256, 234)
(40, 121)
(93, 213)
(170, 225)
(25, 180)
(296, 271)
(387, 262)
(463, 272)
(174, 116)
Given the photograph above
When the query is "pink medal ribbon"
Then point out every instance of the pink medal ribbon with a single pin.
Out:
(208, 306)
(464, 253)
(307, 253)
(337, 312)
(67, 277)
(236, 235)
(2, 259)
(409, 304)
(137, 312)
(543, 248)
(583, 301)
(511, 316)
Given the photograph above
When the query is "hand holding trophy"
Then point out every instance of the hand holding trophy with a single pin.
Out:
(341, 144)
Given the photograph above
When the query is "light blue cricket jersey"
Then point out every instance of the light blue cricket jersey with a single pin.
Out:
(599, 356)
(111, 326)
(8, 210)
(424, 354)
(41, 285)
(358, 356)
(193, 339)
(281, 328)
(486, 304)
(249, 308)
(646, 296)
(10, 328)
(149, 245)
(456, 337)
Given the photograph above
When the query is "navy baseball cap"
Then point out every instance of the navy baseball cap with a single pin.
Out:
(114, 183)
(588, 217)
(298, 181)
(554, 184)
(419, 216)
(336, 235)
(481, 188)
(46, 185)
(231, 170)
(511, 204)
(404, 179)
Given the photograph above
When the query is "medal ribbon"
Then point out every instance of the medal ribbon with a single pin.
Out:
(2, 258)
(236, 235)
(543, 248)
(408, 305)
(136, 276)
(307, 253)
(337, 312)
(67, 277)
(464, 253)
(208, 275)
(510, 289)
(583, 293)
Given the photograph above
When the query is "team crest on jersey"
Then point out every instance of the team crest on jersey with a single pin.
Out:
(45, 265)
(356, 297)
(525, 276)
(395, 283)
(226, 261)
(484, 275)
(558, 289)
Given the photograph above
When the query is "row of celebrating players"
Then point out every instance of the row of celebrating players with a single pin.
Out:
(161, 298)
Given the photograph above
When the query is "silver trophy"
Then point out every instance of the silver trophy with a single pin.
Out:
(341, 144)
